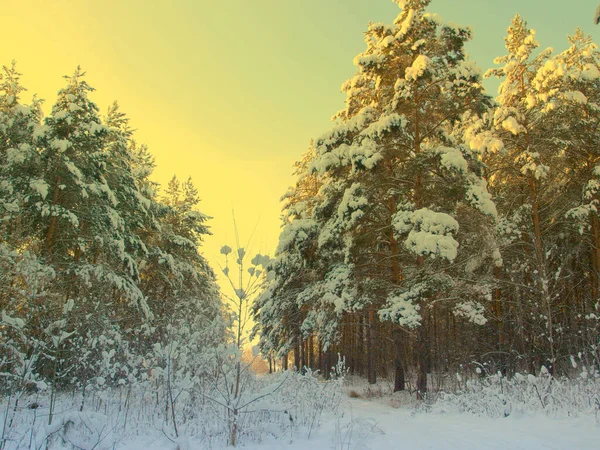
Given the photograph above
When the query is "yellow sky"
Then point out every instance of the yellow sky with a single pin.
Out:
(231, 92)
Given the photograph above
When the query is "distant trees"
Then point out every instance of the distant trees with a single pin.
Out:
(433, 227)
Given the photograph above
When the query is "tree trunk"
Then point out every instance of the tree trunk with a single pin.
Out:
(51, 233)
(595, 258)
(399, 381)
(361, 347)
(422, 361)
(371, 349)
(319, 356)
(297, 355)
(303, 361)
(542, 273)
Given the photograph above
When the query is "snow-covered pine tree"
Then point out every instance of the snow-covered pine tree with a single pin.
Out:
(561, 126)
(533, 178)
(577, 72)
(402, 212)
(293, 270)
(98, 276)
(24, 279)
(187, 281)
(81, 231)
(107, 349)
(179, 284)
(19, 125)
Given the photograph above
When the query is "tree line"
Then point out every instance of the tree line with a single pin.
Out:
(99, 268)
(435, 228)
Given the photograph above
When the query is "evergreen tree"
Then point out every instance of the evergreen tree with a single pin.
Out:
(96, 269)
(294, 268)
(547, 129)
(19, 130)
(402, 211)
(24, 279)
(522, 179)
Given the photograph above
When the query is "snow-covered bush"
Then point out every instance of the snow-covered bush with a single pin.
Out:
(285, 405)
(498, 396)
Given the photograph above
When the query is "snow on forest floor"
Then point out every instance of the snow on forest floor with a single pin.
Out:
(393, 421)
(491, 412)
(373, 424)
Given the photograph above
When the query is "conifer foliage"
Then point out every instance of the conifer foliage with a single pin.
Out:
(96, 267)
(433, 226)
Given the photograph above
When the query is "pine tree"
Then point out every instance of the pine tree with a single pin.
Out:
(176, 278)
(19, 129)
(85, 230)
(576, 81)
(98, 275)
(402, 209)
(528, 175)
(24, 278)
(278, 316)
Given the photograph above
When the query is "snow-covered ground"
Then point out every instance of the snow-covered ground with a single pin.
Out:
(373, 424)
(305, 412)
